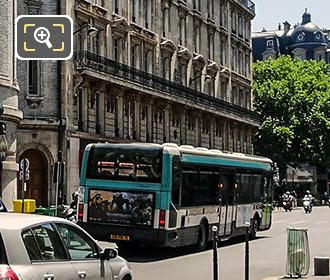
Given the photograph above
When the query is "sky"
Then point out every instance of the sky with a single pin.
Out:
(269, 13)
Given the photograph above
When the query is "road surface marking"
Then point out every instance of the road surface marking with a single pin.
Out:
(322, 222)
(279, 222)
(299, 222)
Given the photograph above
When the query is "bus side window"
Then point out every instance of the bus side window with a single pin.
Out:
(256, 188)
(176, 180)
(189, 180)
(245, 189)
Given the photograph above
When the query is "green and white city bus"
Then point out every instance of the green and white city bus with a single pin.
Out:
(169, 195)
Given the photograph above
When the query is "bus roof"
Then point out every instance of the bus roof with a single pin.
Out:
(173, 148)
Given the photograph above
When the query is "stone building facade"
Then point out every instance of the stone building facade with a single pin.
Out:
(159, 71)
(156, 71)
(9, 91)
(39, 132)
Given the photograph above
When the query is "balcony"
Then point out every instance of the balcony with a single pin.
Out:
(85, 60)
(250, 5)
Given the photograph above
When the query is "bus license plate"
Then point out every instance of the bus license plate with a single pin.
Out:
(120, 237)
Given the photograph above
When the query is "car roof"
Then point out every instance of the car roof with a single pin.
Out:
(17, 221)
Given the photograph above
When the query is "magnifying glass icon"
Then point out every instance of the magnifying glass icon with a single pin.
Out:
(41, 35)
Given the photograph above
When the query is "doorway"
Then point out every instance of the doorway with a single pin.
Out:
(37, 186)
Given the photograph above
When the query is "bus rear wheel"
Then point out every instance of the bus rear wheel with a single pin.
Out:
(202, 237)
(254, 228)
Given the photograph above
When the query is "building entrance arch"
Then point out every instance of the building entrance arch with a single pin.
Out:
(37, 185)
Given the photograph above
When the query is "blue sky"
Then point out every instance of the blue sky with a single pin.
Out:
(269, 13)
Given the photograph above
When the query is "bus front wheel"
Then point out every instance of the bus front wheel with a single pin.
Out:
(202, 237)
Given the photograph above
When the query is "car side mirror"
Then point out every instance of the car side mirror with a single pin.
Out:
(108, 254)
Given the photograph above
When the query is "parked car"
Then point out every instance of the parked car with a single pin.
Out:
(43, 247)
(2, 206)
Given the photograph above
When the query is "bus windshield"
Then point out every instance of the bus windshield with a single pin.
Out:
(125, 163)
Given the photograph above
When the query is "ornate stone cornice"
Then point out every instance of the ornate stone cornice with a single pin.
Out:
(199, 60)
(212, 67)
(119, 25)
(167, 45)
(184, 53)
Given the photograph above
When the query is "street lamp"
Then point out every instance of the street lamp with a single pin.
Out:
(91, 32)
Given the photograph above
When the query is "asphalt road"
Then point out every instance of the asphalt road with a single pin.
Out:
(267, 252)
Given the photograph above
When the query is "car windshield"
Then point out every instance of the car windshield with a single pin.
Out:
(3, 257)
(126, 163)
(2, 206)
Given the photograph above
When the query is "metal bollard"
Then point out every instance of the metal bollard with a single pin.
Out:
(247, 238)
(215, 252)
(321, 266)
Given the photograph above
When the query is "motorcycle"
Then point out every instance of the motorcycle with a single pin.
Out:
(287, 205)
(307, 205)
(69, 212)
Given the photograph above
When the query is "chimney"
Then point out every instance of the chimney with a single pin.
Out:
(306, 18)
(287, 26)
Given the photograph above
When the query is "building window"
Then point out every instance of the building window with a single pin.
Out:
(166, 68)
(233, 21)
(133, 10)
(182, 31)
(116, 6)
(183, 74)
(300, 37)
(166, 25)
(116, 50)
(147, 13)
(211, 46)
(223, 14)
(205, 126)
(210, 8)
(197, 5)
(133, 56)
(34, 77)
(270, 44)
(197, 37)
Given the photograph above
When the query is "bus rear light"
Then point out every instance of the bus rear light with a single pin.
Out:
(80, 211)
(162, 214)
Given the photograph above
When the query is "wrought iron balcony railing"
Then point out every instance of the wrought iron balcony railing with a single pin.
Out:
(85, 60)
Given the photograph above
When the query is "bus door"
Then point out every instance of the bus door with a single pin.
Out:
(266, 199)
(227, 192)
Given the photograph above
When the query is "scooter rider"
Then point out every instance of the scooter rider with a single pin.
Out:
(308, 202)
(309, 197)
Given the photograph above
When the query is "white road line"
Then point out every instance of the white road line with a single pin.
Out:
(299, 222)
(322, 222)
(279, 222)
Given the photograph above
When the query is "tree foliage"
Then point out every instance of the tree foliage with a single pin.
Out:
(293, 98)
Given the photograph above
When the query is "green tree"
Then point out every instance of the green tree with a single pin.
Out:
(293, 98)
